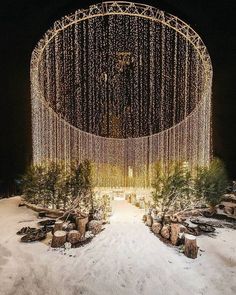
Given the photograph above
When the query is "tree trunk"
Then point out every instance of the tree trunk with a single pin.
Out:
(58, 225)
(73, 236)
(190, 247)
(81, 225)
(58, 239)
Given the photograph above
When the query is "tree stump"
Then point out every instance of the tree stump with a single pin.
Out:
(144, 218)
(176, 231)
(156, 227)
(95, 226)
(81, 225)
(149, 220)
(165, 231)
(73, 236)
(228, 210)
(58, 239)
(190, 247)
(58, 225)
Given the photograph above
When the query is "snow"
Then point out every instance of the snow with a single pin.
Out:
(60, 233)
(190, 237)
(124, 259)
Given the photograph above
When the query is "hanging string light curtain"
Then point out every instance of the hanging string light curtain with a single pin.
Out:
(124, 85)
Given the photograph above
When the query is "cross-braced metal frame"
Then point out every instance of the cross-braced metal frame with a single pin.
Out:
(131, 9)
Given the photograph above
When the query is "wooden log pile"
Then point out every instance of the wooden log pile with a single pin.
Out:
(178, 230)
(63, 231)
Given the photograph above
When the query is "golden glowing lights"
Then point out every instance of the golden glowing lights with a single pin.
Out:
(124, 85)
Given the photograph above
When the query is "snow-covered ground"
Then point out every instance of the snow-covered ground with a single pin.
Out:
(124, 259)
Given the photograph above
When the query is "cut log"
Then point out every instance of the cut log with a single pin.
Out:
(156, 227)
(144, 218)
(73, 237)
(190, 246)
(176, 233)
(95, 226)
(81, 225)
(58, 239)
(149, 220)
(192, 228)
(58, 225)
(165, 232)
(206, 228)
(229, 210)
(203, 226)
(36, 208)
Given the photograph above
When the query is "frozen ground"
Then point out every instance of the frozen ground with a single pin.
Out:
(125, 259)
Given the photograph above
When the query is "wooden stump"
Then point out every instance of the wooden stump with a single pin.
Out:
(228, 210)
(81, 225)
(156, 227)
(190, 247)
(73, 236)
(165, 231)
(95, 226)
(144, 218)
(176, 231)
(58, 239)
(149, 220)
(58, 225)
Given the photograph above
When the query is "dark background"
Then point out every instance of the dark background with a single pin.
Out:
(23, 23)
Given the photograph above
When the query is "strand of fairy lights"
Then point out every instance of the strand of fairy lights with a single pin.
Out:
(123, 76)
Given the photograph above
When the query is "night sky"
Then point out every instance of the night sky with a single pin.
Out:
(23, 23)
